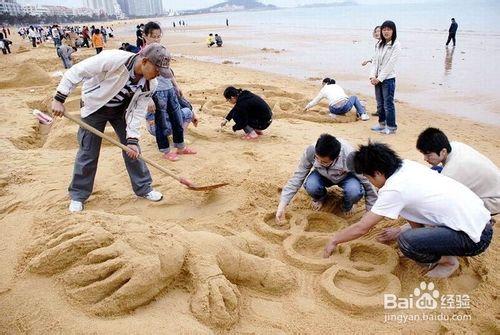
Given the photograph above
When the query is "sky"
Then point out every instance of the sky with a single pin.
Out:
(195, 4)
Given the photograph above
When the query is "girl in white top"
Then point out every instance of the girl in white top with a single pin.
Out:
(383, 77)
(338, 101)
(376, 35)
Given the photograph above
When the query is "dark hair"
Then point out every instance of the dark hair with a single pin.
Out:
(150, 26)
(376, 157)
(376, 27)
(210, 34)
(327, 146)
(329, 81)
(432, 140)
(391, 25)
(231, 91)
(453, 18)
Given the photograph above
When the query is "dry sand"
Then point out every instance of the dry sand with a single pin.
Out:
(201, 263)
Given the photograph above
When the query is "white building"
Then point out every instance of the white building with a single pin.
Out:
(36, 10)
(109, 7)
(145, 7)
(11, 7)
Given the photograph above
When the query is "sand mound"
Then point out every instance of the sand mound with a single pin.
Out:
(22, 49)
(27, 75)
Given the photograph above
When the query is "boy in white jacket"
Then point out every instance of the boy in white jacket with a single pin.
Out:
(117, 86)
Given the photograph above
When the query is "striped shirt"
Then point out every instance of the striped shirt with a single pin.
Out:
(128, 91)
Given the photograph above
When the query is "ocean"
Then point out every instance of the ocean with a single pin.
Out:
(333, 41)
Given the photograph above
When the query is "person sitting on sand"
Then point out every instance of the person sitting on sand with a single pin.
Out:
(446, 218)
(250, 112)
(324, 165)
(464, 164)
(117, 87)
(218, 40)
(339, 102)
(210, 40)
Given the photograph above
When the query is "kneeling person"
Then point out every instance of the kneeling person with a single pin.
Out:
(447, 219)
(328, 160)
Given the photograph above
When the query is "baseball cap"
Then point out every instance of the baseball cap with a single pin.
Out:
(159, 56)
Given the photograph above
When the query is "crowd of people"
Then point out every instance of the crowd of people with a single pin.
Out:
(448, 207)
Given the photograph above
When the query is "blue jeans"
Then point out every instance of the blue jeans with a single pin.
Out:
(57, 41)
(316, 185)
(353, 101)
(187, 117)
(428, 244)
(168, 108)
(384, 93)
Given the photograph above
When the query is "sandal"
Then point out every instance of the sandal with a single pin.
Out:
(186, 151)
(249, 137)
(171, 156)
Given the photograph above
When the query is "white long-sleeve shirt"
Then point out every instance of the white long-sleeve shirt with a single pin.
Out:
(384, 61)
(334, 93)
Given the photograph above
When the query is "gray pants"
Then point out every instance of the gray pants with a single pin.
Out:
(88, 154)
(67, 62)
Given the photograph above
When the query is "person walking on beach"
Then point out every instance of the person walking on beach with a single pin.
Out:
(117, 86)
(139, 37)
(56, 36)
(65, 51)
(97, 41)
(323, 165)
(339, 102)
(166, 106)
(4, 44)
(33, 35)
(227, 22)
(383, 77)
(104, 34)
(376, 36)
(464, 164)
(85, 37)
(452, 32)
(446, 219)
(250, 112)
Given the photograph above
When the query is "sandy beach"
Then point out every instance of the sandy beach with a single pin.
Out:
(46, 286)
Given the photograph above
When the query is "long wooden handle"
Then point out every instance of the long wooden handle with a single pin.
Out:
(120, 145)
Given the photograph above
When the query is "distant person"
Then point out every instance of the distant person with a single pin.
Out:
(250, 112)
(227, 22)
(139, 37)
(65, 51)
(376, 36)
(452, 32)
(383, 78)
(104, 34)
(218, 40)
(129, 47)
(339, 102)
(210, 40)
(324, 165)
(56, 36)
(33, 35)
(4, 44)
(173, 23)
(464, 164)
(86, 37)
(446, 218)
(97, 41)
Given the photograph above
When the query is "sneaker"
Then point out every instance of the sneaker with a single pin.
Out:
(171, 156)
(75, 206)
(388, 131)
(154, 196)
(378, 128)
(365, 117)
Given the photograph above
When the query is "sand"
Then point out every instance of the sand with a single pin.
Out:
(197, 262)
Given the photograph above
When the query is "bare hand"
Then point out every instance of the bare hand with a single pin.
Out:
(223, 123)
(151, 107)
(364, 63)
(133, 151)
(178, 91)
(389, 234)
(58, 108)
(374, 81)
(195, 120)
(280, 214)
(329, 249)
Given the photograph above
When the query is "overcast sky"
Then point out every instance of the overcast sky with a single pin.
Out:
(194, 4)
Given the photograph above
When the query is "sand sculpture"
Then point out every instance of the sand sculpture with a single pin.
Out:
(356, 276)
(110, 265)
(283, 104)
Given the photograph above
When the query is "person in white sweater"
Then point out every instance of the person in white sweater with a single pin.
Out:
(383, 77)
(338, 101)
(464, 164)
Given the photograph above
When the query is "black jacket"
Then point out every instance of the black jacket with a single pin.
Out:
(250, 110)
(453, 28)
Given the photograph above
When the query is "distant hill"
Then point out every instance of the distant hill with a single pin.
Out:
(330, 4)
(231, 6)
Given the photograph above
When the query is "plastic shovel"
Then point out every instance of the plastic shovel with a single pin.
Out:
(182, 180)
